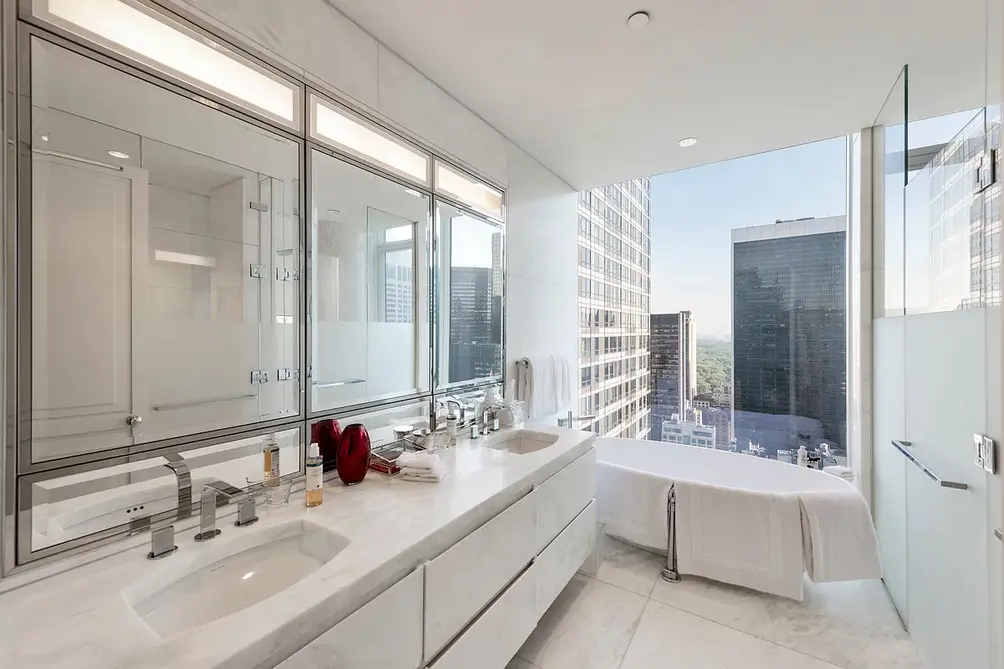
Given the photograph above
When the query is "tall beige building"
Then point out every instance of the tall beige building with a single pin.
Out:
(614, 291)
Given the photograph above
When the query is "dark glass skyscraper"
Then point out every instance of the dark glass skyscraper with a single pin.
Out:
(789, 334)
(673, 367)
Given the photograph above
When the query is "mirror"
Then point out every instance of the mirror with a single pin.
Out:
(164, 251)
(369, 277)
(72, 506)
(469, 295)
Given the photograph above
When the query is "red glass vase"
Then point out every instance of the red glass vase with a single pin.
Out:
(353, 454)
(326, 434)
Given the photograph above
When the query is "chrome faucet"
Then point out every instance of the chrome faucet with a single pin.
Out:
(162, 538)
(210, 495)
(490, 419)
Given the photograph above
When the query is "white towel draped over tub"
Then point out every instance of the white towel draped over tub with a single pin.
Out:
(838, 537)
(750, 521)
(632, 504)
(738, 536)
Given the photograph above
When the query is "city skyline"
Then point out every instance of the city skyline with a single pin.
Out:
(694, 212)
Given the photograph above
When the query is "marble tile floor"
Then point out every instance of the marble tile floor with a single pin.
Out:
(627, 617)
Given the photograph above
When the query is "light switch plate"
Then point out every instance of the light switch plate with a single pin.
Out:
(986, 453)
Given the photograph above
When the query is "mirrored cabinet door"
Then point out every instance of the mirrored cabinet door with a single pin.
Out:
(164, 262)
(369, 304)
(469, 296)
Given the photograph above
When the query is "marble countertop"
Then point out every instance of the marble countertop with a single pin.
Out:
(79, 618)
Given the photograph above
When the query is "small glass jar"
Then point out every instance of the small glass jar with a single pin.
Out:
(518, 410)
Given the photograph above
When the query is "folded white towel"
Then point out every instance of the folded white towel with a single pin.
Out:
(418, 460)
(422, 475)
(739, 536)
(838, 537)
(846, 473)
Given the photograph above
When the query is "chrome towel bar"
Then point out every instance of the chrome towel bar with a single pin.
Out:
(904, 448)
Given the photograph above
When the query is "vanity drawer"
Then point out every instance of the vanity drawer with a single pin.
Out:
(561, 497)
(563, 557)
(492, 640)
(360, 641)
(461, 581)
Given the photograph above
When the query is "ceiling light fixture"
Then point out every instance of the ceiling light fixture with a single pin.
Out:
(45, 138)
(118, 154)
(638, 20)
(687, 141)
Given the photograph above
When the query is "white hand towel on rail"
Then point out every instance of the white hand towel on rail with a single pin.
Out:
(633, 504)
(563, 378)
(541, 387)
(739, 536)
(838, 536)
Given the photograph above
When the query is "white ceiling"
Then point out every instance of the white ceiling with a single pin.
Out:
(599, 103)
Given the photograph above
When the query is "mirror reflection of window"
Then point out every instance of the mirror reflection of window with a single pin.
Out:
(470, 277)
(369, 324)
(164, 254)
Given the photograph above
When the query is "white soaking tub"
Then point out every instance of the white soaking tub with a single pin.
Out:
(637, 480)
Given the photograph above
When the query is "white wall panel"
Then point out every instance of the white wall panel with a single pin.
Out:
(312, 38)
(410, 100)
(308, 34)
(542, 241)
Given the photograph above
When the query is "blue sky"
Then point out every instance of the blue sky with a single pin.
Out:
(695, 210)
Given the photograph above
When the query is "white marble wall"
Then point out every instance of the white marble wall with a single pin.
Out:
(318, 42)
(859, 322)
(543, 266)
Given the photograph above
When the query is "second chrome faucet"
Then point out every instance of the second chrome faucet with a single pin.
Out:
(211, 495)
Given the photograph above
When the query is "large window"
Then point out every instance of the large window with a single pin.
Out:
(749, 302)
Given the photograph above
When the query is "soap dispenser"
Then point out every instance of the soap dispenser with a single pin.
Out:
(314, 488)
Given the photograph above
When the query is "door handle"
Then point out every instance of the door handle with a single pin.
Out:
(132, 420)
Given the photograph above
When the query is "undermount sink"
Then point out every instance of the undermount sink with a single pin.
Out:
(255, 567)
(522, 442)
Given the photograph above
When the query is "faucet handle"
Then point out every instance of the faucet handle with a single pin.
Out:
(161, 543)
(246, 512)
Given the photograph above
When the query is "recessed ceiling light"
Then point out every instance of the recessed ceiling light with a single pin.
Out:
(247, 576)
(687, 141)
(118, 154)
(45, 138)
(638, 20)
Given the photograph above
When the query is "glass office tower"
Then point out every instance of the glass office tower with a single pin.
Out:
(614, 289)
(789, 336)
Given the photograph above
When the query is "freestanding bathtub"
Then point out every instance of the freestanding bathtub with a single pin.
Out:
(635, 481)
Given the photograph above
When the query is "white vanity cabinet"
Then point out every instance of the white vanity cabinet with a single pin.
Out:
(384, 634)
(462, 580)
(535, 546)
(473, 605)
